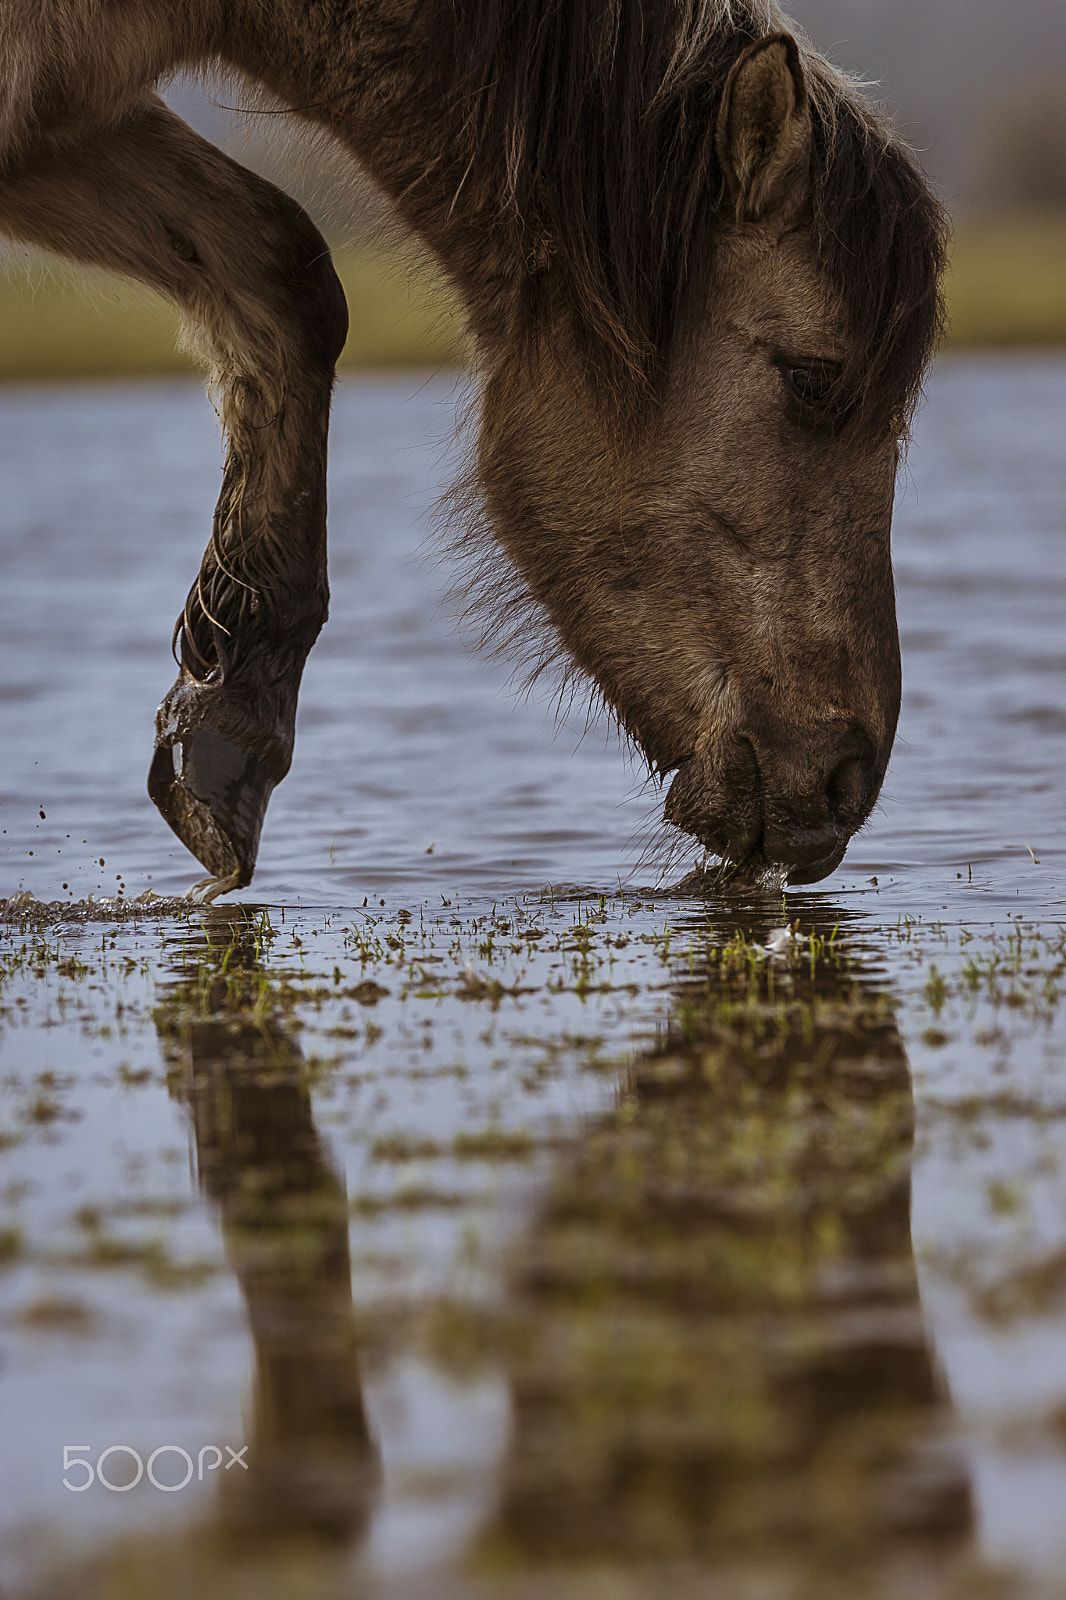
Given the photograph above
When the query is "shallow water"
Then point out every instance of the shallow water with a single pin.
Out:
(513, 1267)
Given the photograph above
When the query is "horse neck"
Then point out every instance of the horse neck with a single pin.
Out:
(363, 84)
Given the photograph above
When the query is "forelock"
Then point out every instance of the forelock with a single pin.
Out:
(593, 122)
(881, 236)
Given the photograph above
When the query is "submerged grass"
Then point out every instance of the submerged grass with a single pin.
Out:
(710, 1330)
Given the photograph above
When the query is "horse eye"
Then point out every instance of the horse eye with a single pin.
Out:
(812, 382)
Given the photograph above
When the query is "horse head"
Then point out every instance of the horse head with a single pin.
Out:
(714, 554)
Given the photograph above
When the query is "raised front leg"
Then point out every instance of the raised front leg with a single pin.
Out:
(149, 198)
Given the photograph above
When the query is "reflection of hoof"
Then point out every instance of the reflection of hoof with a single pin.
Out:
(209, 786)
(208, 889)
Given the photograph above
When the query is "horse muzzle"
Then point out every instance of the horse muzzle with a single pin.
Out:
(749, 803)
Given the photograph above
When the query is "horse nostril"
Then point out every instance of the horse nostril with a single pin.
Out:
(848, 788)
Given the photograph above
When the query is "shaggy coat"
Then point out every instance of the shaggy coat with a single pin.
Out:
(702, 280)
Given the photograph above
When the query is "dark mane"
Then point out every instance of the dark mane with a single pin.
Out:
(601, 115)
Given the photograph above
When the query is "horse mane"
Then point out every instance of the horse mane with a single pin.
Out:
(597, 118)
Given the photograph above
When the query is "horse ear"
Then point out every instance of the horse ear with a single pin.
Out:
(764, 132)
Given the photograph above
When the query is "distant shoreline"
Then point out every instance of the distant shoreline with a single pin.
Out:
(1007, 289)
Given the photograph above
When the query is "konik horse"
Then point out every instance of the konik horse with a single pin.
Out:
(701, 278)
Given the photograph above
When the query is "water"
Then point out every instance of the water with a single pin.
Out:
(428, 1166)
(406, 742)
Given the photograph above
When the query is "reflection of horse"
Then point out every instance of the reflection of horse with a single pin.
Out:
(312, 1468)
(702, 277)
(722, 1348)
(723, 1357)
(725, 1353)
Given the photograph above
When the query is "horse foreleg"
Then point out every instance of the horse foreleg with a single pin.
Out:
(149, 198)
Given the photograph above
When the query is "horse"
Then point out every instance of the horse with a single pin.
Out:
(702, 279)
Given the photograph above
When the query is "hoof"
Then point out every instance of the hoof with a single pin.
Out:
(214, 795)
(208, 889)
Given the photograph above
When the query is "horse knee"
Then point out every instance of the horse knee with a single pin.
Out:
(315, 293)
(331, 310)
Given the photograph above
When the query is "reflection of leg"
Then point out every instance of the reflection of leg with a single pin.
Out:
(312, 1464)
(145, 196)
(725, 1343)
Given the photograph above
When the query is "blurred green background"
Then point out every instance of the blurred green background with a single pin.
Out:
(974, 85)
(55, 324)
(1007, 288)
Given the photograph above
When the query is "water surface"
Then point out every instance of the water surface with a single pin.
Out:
(588, 1233)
